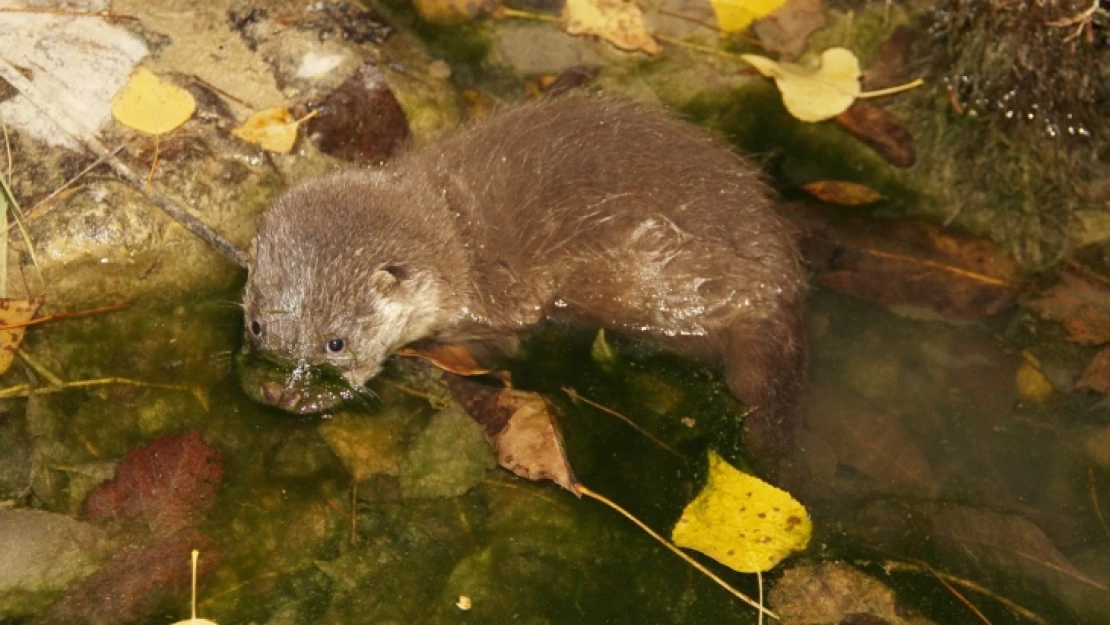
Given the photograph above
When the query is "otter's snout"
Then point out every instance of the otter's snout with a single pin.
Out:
(279, 395)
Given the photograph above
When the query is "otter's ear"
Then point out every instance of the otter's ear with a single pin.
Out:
(387, 278)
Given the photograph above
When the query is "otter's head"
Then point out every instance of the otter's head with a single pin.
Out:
(341, 277)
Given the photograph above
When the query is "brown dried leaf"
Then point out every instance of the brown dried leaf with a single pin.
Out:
(170, 484)
(1002, 542)
(521, 429)
(1096, 376)
(871, 442)
(1081, 306)
(889, 68)
(910, 263)
(787, 30)
(842, 192)
(14, 311)
(134, 582)
(451, 358)
(881, 131)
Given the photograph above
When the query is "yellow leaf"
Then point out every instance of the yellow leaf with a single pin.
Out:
(274, 129)
(620, 22)
(1032, 385)
(742, 521)
(734, 16)
(13, 311)
(149, 105)
(814, 94)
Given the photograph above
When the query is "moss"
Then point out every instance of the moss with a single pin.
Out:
(755, 121)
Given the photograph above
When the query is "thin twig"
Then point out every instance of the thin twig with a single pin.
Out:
(962, 599)
(40, 205)
(26, 390)
(675, 550)
(74, 129)
(894, 565)
(575, 396)
(1094, 501)
(65, 315)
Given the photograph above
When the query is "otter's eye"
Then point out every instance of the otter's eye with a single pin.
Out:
(335, 346)
(256, 328)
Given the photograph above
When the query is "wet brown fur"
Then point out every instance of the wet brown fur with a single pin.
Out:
(601, 212)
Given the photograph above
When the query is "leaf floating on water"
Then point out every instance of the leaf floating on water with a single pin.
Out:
(620, 22)
(521, 429)
(274, 129)
(814, 94)
(13, 311)
(845, 193)
(734, 16)
(742, 521)
(149, 105)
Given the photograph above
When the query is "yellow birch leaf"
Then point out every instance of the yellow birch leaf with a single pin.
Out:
(149, 105)
(734, 16)
(742, 521)
(274, 129)
(620, 22)
(14, 311)
(814, 94)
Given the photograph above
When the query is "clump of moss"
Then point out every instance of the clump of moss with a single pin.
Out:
(1033, 63)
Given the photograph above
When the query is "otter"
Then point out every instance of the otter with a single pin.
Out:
(587, 209)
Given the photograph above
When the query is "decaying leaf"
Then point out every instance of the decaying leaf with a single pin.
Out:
(620, 22)
(1081, 306)
(361, 120)
(149, 105)
(881, 131)
(786, 30)
(734, 16)
(871, 442)
(134, 582)
(908, 264)
(13, 311)
(1032, 385)
(521, 429)
(889, 67)
(814, 94)
(842, 192)
(742, 521)
(836, 592)
(366, 446)
(170, 484)
(1096, 376)
(274, 129)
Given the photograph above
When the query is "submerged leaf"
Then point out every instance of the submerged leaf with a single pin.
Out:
(13, 311)
(814, 94)
(170, 484)
(1081, 306)
(742, 521)
(620, 22)
(149, 105)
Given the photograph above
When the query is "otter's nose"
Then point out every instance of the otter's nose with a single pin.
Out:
(275, 394)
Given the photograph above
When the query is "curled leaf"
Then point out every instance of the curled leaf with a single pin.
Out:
(845, 193)
(274, 129)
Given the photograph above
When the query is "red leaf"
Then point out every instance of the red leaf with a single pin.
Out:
(134, 582)
(170, 484)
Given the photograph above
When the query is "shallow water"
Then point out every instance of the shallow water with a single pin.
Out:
(920, 455)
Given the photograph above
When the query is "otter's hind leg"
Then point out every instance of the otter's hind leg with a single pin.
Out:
(765, 365)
